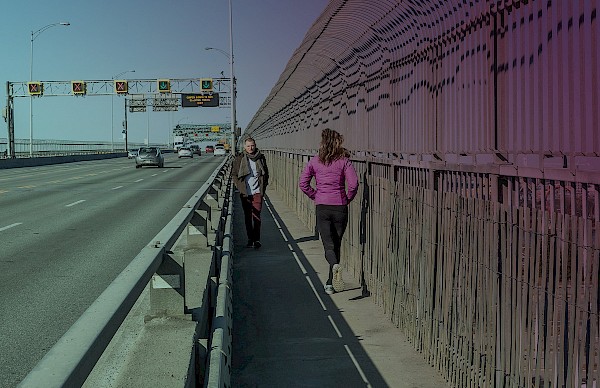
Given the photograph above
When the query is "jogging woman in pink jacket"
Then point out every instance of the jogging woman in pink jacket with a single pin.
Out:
(333, 172)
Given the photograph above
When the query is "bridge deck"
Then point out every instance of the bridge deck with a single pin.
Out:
(288, 332)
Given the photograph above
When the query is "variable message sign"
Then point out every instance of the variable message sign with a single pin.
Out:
(194, 100)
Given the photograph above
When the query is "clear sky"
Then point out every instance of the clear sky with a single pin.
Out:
(157, 39)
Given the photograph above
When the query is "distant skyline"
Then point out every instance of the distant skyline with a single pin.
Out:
(157, 39)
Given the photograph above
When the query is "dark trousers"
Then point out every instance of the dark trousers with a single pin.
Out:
(331, 223)
(252, 205)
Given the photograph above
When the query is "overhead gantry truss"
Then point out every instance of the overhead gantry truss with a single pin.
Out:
(158, 93)
(108, 87)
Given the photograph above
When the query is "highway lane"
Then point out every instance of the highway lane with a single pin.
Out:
(66, 231)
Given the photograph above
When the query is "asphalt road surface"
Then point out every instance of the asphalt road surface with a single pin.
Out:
(66, 231)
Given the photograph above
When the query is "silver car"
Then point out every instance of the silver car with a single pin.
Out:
(185, 152)
(149, 156)
(219, 150)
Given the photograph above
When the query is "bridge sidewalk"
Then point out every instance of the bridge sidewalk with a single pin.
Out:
(287, 332)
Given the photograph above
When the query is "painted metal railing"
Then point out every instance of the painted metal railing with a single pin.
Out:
(495, 279)
(475, 129)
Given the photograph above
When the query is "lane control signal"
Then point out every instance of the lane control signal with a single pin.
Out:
(34, 88)
(164, 85)
(78, 87)
(206, 85)
(121, 86)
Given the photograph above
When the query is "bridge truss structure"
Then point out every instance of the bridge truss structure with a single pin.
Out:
(161, 94)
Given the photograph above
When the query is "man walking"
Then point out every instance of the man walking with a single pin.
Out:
(251, 177)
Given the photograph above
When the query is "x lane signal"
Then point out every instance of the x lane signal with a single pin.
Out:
(121, 87)
(34, 88)
(78, 87)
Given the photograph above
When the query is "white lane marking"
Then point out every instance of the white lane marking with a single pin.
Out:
(334, 326)
(299, 263)
(362, 374)
(75, 203)
(154, 175)
(276, 223)
(116, 188)
(10, 226)
(139, 180)
(316, 293)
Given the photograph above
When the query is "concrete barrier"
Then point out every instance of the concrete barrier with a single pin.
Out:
(43, 161)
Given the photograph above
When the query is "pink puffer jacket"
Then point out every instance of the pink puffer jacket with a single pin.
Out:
(330, 180)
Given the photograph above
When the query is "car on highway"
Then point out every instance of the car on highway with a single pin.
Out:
(149, 156)
(185, 152)
(131, 154)
(209, 149)
(195, 149)
(219, 150)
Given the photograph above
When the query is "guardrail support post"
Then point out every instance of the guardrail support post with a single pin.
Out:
(167, 287)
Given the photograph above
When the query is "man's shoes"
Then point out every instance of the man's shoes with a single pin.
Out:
(250, 244)
(329, 289)
(338, 282)
(257, 244)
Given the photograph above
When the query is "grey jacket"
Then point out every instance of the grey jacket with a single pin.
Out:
(239, 178)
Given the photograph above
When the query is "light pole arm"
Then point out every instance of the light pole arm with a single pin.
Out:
(34, 35)
(219, 50)
(122, 73)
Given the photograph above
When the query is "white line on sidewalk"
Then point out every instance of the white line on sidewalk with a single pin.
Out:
(75, 203)
(334, 326)
(10, 226)
(316, 293)
(299, 263)
(362, 374)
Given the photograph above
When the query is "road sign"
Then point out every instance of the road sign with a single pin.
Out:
(34, 88)
(78, 87)
(137, 105)
(164, 85)
(165, 104)
(206, 85)
(195, 100)
(121, 87)
(215, 128)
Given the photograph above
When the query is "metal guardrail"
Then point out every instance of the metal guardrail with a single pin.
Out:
(208, 213)
(218, 371)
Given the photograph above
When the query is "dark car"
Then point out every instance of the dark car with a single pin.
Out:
(149, 156)
(195, 149)
(209, 148)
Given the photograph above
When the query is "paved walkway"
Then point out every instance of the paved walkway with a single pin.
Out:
(288, 333)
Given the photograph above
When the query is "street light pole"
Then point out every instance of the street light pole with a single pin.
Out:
(112, 110)
(35, 34)
(231, 76)
(233, 118)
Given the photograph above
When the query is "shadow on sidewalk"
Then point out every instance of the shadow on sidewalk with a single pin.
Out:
(286, 331)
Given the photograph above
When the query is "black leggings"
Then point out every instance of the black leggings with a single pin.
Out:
(331, 223)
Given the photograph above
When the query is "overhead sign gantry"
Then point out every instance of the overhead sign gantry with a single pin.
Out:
(162, 94)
